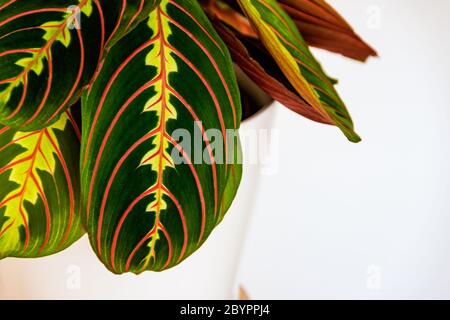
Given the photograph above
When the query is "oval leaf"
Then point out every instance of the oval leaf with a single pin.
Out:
(39, 189)
(155, 176)
(49, 51)
(283, 40)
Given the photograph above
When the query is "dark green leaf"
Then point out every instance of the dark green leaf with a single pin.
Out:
(39, 189)
(146, 210)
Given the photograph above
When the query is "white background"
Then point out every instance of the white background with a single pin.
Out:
(369, 220)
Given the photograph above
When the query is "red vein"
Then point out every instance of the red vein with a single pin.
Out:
(3, 130)
(8, 80)
(47, 90)
(106, 138)
(140, 243)
(213, 62)
(7, 227)
(197, 181)
(102, 26)
(47, 213)
(138, 12)
(77, 81)
(23, 14)
(22, 192)
(7, 4)
(9, 166)
(161, 130)
(198, 24)
(108, 88)
(119, 21)
(22, 99)
(102, 47)
(169, 245)
(210, 90)
(47, 163)
(183, 222)
(14, 51)
(122, 221)
(112, 178)
(16, 140)
(277, 14)
(69, 186)
(47, 46)
(304, 55)
(207, 142)
(74, 125)
(9, 199)
(27, 29)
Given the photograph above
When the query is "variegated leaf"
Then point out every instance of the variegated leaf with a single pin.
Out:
(39, 189)
(49, 51)
(258, 64)
(281, 37)
(151, 197)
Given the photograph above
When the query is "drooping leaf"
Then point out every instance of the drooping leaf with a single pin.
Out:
(257, 63)
(39, 189)
(282, 39)
(323, 27)
(319, 23)
(49, 51)
(152, 195)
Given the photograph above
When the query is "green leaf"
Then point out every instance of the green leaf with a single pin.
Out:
(44, 64)
(122, 16)
(152, 197)
(39, 189)
(49, 51)
(282, 39)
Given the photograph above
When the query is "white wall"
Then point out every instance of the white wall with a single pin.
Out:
(369, 220)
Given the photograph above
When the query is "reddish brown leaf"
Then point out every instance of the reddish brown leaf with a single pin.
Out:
(257, 63)
(230, 17)
(323, 27)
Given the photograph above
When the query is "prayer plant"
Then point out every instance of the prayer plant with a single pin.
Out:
(98, 98)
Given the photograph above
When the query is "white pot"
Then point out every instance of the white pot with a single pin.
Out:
(76, 273)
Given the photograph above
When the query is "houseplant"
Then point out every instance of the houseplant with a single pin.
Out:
(152, 76)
